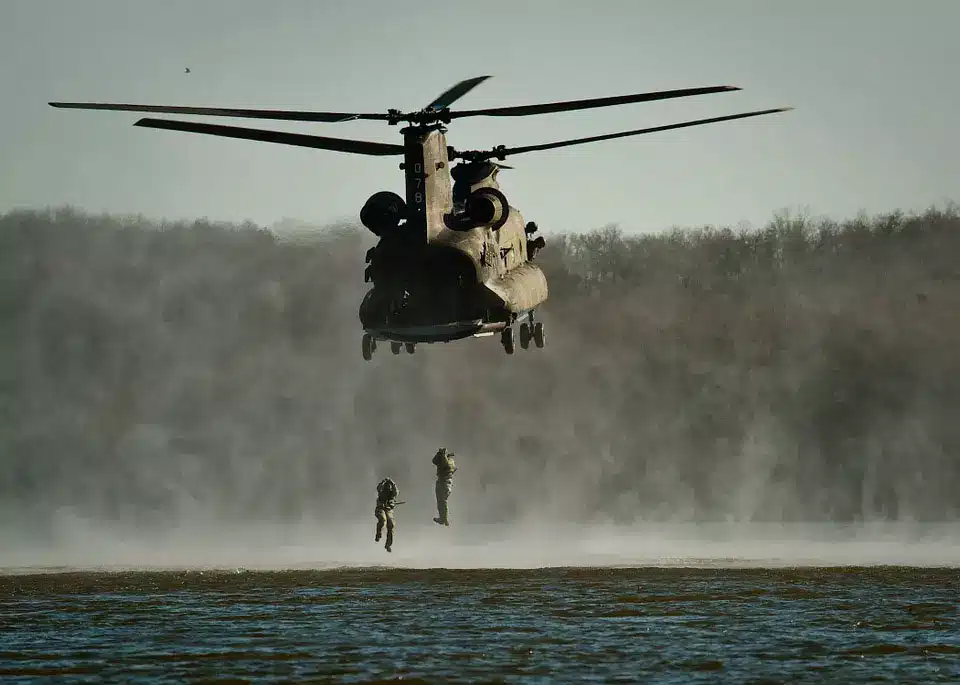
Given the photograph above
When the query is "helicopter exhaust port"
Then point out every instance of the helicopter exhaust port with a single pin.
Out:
(483, 207)
(383, 212)
(488, 207)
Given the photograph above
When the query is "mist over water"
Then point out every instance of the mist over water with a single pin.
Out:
(194, 395)
(94, 545)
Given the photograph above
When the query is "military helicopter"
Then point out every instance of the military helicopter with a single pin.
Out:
(454, 259)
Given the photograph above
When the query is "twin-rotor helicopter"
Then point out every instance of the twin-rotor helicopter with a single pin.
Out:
(453, 259)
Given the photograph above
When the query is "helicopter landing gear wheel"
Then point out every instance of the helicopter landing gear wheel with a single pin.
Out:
(369, 346)
(539, 338)
(506, 339)
(395, 347)
(411, 348)
(524, 335)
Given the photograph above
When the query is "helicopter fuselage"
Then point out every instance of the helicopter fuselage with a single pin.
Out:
(458, 264)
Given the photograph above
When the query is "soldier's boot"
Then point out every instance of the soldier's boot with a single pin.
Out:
(389, 539)
(442, 518)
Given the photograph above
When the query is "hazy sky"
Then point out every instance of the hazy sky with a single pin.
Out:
(874, 84)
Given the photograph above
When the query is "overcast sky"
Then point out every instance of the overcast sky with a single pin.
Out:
(874, 83)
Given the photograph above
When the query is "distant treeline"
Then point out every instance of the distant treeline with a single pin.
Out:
(807, 370)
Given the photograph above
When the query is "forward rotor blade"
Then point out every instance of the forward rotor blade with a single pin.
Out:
(655, 129)
(571, 105)
(456, 92)
(279, 114)
(359, 147)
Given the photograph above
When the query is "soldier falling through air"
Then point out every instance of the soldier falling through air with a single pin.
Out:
(387, 493)
(446, 467)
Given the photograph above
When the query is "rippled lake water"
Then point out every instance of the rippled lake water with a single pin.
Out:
(843, 624)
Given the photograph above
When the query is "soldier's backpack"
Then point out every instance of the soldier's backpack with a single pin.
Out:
(387, 489)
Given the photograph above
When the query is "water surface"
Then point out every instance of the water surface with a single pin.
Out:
(841, 624)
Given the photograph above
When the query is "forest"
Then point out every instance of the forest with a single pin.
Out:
(157, 372)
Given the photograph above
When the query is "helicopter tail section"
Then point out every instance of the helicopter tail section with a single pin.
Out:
(428, 187)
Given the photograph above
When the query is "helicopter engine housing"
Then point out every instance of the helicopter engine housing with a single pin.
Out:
(488, 207)
(383, 212)
(483, 207)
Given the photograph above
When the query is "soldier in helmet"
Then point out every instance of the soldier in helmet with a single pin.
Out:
(446, 467)
(387, 493)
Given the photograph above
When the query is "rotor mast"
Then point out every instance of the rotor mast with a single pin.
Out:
(425, 159)
(426, 170)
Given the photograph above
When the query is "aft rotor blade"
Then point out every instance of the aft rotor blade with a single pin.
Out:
(571, 105)
(359, 147)
(279, 114)
(655, 129)
(456, 92)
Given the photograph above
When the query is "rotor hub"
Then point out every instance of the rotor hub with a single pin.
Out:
(422, 117)
(496, 152)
